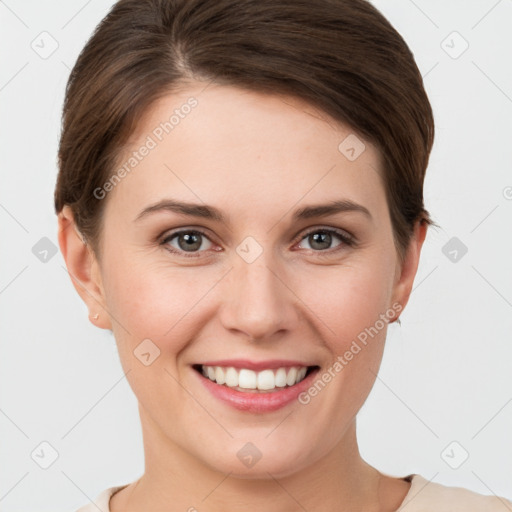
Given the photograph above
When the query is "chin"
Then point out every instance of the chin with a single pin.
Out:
(248, 463)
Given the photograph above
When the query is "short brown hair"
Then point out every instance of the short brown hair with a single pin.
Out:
(341, 56)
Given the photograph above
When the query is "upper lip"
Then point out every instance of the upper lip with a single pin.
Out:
(255, 365)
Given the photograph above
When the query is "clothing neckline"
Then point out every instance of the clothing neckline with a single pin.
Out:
(413, 478)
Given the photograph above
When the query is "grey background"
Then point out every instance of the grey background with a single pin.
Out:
(445, 377)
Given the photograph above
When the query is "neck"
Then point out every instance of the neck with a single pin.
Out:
(175, 480)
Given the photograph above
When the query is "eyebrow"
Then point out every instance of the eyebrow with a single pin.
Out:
(210, 212)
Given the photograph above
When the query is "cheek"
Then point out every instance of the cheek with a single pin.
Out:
(351, 306)
(347, 299)
(352, 310)
(163, 305)
(157, 301)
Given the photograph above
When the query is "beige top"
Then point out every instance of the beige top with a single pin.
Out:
(423, 496)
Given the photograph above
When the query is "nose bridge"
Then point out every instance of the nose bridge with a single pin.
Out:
(256, 301)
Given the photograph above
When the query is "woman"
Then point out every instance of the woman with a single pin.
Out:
(243, 183)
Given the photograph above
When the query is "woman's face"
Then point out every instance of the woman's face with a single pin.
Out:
(262, 289)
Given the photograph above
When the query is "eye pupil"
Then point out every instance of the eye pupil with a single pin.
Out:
(321, 237)
(193, 241)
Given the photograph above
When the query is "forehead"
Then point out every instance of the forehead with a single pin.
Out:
(234, 146)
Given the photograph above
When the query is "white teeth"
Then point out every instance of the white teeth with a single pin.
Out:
(247, 379)
(264, 380)
(280, 378)
(220, 375)
(291, 378)
(231, 378)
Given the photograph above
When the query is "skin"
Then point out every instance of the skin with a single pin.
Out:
(257, 158)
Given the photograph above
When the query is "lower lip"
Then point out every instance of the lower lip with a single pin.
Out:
(257, 402)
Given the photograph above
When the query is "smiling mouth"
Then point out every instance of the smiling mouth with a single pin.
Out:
(250, 381)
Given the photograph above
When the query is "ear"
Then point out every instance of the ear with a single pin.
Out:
(83, 269)
(406, 272)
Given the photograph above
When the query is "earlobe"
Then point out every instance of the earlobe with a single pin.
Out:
(406, 273)
(82, 268)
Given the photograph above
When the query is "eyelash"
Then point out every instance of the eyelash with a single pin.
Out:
(346, 238)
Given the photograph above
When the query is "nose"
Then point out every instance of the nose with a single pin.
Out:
(258, 299)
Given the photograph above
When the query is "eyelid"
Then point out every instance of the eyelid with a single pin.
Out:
(347, 239)
(345, 236)
(166, 237)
